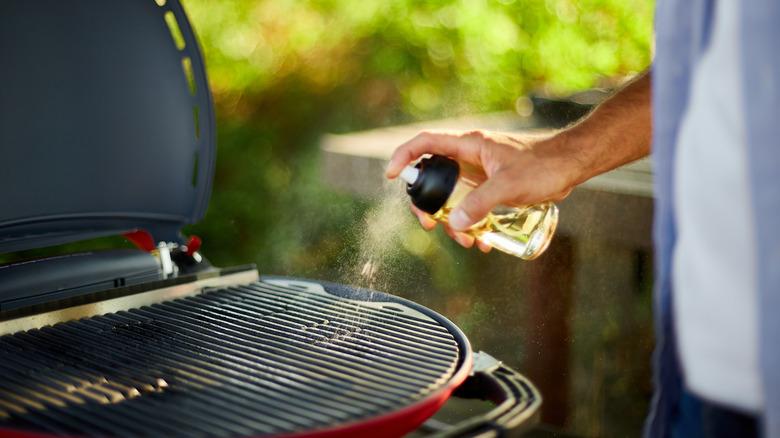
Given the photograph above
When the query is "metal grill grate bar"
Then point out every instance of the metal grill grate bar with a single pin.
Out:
(370, 337)
(211, 373)
(196, 370)
(387, 326)
(258, 359)
(396, 321)
(304, 292)
(258, 364)
(332, 364)
(275, 336)
(312, 308)
(79, 417)
(102, 362)
(372, 348)
(192, 329)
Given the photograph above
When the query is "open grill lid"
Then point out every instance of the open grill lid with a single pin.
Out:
(107, 122)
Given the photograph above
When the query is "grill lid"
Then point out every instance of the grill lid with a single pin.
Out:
(272, 357)
(107, 122)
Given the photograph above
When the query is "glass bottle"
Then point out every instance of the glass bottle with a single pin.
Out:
(436, 187)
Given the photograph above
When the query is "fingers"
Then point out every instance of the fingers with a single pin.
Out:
(467, 240)
(461, 146)
(425, 219)
(477, 204)
(484, 247)
(463, 239)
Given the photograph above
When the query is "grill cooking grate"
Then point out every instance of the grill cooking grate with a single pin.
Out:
(258, 359)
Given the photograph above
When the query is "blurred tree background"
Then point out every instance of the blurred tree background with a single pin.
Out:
(284, 72)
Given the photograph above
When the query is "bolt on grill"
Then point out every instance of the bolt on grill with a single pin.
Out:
(263, 358)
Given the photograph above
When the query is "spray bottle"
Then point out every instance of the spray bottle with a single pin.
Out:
(436, 187)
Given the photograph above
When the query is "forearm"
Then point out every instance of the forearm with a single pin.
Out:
(617, 132)
(521, 170)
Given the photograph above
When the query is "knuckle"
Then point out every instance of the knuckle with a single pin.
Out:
(465, 240)
(477, 134)
(426, 135)
(474, 207)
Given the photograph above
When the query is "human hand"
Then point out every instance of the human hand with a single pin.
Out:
(516, 171)
(463, 239)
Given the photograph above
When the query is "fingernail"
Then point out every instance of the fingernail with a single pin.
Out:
(462, 239)
(459, 220)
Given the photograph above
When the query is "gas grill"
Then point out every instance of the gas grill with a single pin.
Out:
(107, 128)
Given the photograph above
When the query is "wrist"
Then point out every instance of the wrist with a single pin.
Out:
(567, 153)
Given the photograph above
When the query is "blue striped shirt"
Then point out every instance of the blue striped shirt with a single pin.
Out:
(682, 29)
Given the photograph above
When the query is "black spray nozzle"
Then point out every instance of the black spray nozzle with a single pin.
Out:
(434, 183)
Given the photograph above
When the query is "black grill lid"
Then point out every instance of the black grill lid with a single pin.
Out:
(101, 131)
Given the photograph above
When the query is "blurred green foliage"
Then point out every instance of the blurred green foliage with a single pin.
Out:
(406, 58)
(285, 71)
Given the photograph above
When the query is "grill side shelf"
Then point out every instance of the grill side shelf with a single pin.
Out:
(117, 299)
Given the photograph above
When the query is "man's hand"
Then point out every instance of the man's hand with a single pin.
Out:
(515, 170)
(520, 170)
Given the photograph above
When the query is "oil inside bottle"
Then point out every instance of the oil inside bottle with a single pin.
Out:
(523, 232)
(437, 184)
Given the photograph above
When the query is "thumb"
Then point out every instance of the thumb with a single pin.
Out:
(477, 204)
